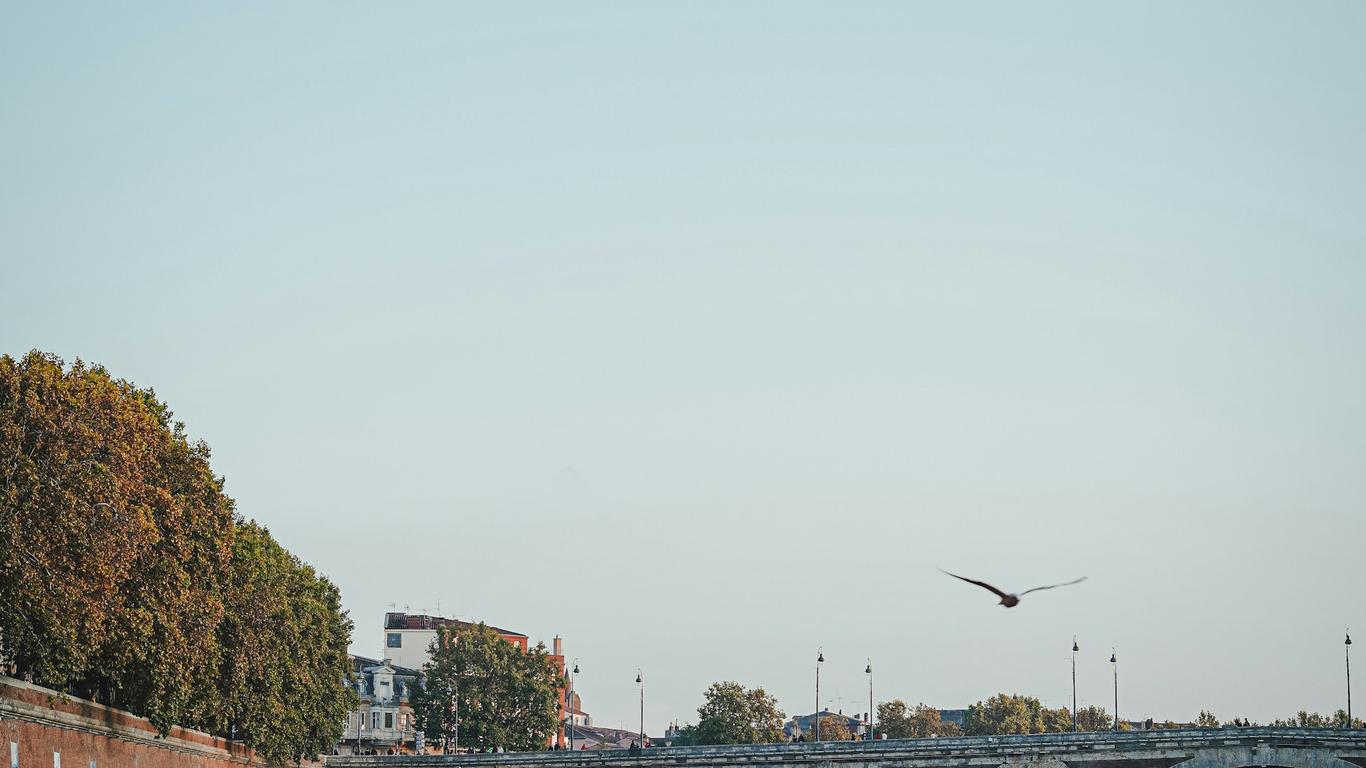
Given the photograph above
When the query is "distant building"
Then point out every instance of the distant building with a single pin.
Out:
(958, 717)
(383, 723)
(408, 641)
(802, 724)
(408, 637)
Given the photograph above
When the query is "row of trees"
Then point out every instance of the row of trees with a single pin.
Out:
(127, 577)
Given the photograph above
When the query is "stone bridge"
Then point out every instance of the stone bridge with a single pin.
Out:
(1188, 748)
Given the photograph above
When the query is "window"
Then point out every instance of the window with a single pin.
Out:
(394, 640)
(388, 719)
(374, 720)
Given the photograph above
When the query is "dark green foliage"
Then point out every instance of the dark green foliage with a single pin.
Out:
(733, 714)
(504, 697)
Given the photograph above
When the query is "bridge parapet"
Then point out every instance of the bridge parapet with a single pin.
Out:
(1189, 748)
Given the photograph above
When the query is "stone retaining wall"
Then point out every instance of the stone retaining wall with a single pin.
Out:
(41, 729)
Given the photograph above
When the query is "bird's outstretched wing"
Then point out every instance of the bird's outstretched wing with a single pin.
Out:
(982, 584)
(1050, 586)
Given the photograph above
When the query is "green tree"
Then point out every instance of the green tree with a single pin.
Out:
(1206, 720)
(127, 578)
(1094, 718)
(504, 696)
(284, 644)
(894, 720)
(1304, 719)
(733, 714)
(897, 722)
(114, 539)
(1013, 713)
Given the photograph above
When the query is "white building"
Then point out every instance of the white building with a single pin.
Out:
(384, 722)
(408, 638)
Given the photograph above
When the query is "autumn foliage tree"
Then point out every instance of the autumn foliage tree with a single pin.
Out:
(118, 568)
(896, 721)
(833, 728)
(1094, 718)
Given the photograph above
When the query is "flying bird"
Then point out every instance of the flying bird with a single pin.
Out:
(1010, 599)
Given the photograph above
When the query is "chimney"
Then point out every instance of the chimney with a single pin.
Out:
(558, 646)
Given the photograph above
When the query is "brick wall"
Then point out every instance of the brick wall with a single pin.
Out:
(45, 731)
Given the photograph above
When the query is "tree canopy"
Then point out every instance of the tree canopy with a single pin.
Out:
(120, 569)
(833, 728)
(495, 693)
(1094, 718)
(896, 721)
(1304, 719)
(733, 714)
(1013, 713)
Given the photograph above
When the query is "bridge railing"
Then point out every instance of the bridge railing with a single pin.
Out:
(838, 751)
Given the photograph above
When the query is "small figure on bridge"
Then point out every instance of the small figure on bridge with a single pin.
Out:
(1010, 599)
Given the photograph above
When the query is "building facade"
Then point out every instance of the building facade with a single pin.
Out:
(383, 723)
(408, 638)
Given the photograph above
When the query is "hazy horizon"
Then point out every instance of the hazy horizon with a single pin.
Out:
(701, 335)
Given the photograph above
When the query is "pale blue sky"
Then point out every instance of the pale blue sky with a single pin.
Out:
(701, 333)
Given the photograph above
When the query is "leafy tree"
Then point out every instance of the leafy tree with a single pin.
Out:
(127, 578)
(733, 714)
(896, 722)
(1206, 720)
(284, 644)
(115, 540)
(1013, 713)
(1094, 718)
(500, 695)
(1303, 719)
(833, 728)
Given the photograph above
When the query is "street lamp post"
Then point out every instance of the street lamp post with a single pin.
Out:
(1348, 645)
(869, 671)
(641, 682)
(1074, 683)
(820, 658)
(1116, 665)
(571, 704)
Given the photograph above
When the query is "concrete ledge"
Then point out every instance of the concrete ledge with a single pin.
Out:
(1132, 749)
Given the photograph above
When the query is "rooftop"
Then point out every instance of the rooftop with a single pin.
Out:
(400, 620)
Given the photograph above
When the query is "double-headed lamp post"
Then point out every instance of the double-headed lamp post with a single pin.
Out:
(641, 682)
(1116, 665)
(1074, 682)
(869, 671)
(571, 704)
(820, 659)
(1347, 644)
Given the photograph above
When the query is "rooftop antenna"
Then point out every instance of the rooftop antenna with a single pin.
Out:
(438, 606)
(395, 607)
